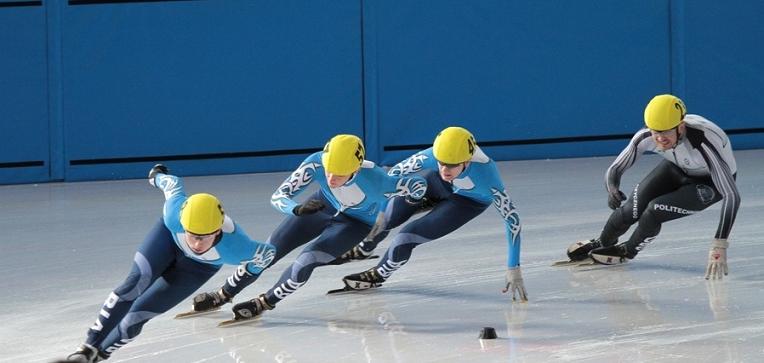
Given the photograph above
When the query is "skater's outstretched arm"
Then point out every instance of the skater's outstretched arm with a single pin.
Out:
(513, 278)
(724, 181)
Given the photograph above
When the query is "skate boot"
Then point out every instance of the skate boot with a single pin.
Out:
(361, 251)
(613, 255)
(209, 301)
(580, 250)
(86, 353)
(251, 309)
(364, 280)
(357, 253)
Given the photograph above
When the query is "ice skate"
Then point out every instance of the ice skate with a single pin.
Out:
(359, 282)
(86, 353)
(205, 303)
(193, 313)
(364, 280)
(578, 253)
(580, 250)
(613, 255)
(564, 263)
(247, 311)
(357, 253)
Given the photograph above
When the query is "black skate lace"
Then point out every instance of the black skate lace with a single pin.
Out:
(358, 252)
(370, 276)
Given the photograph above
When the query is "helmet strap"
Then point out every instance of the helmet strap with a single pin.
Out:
(217, 238)
(466, 165)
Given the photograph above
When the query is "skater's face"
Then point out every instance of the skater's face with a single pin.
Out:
(335, 181)
(667, 139)
(449, 172)
(201, 243)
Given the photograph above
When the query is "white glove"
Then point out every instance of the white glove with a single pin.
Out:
(514, 282)
(717, 260)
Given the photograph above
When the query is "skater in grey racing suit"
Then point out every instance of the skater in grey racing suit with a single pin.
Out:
(698, 170)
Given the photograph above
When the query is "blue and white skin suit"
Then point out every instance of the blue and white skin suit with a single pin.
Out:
(456, 203)
(350, 213)
(165, 271)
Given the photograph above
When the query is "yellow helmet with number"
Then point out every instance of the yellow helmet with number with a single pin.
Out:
(454, 145)
(664, 112)
(201, 214)
(343, 155)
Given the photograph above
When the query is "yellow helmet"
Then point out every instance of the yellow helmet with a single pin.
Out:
(201, 214)
(664, 112)
(343, 155)
(454, 145)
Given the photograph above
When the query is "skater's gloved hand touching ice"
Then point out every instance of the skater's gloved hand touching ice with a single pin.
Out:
(514, 282)
(717, 260)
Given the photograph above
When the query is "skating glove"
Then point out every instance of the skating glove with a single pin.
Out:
(514, 282)
(717, 260)
(615, 198)
(210, 300)
(157, 169)
(413, 201)
(309, 207)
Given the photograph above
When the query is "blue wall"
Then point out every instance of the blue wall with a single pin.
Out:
(216, 80)
(723, 66)
(104, 89)
(24, 138)
(516, 70)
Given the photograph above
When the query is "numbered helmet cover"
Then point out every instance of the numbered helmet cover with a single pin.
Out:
(201, 214)
(343, 155)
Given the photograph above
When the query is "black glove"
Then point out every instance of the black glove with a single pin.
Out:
(309, 207)
(614, 199)
(210, 300)
(157, 169)
(408, 199)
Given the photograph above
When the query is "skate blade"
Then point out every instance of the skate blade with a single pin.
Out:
(192, 313)
(585, 262)
(609, 260)
(341, 291)
(347, 290)
(234, 322)
(597, 265)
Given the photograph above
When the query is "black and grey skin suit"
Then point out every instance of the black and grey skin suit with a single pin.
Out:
(696, 173)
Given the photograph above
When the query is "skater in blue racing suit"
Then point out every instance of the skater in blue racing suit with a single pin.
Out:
(462, 183)
(183, 250)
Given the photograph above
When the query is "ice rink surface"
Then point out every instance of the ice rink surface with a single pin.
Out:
(66, 246)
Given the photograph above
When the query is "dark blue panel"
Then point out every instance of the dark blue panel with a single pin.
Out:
(208, 77)
(23, 98)
(724, 63)
(185, 167)
(19, 3)
(517, 70)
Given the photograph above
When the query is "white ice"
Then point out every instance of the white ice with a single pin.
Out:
(65, 246)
